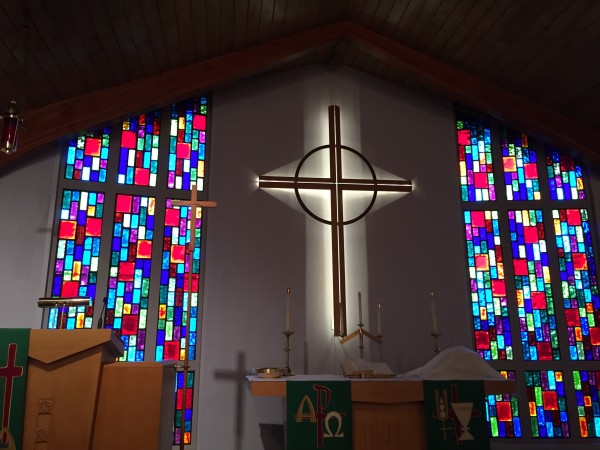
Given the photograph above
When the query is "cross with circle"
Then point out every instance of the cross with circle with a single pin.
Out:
(336, 183)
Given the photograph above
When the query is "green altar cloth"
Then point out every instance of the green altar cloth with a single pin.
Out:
(319, 415)
(455, 415)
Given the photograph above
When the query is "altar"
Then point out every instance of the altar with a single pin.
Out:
(386, 412)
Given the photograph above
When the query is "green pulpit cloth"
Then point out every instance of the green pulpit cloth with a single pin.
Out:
(319, 415)
(455, 415)
(14, 344)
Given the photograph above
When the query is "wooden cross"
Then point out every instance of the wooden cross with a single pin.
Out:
(336, 184)
(194, 204)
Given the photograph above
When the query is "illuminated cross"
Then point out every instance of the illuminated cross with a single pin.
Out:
(336, 184)
(194, 204)
(9, 372)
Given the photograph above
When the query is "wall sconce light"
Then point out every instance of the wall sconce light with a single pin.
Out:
(11, 121)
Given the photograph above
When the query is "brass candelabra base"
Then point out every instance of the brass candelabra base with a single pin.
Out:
(287, 349)
(361, 332)
(436, 337)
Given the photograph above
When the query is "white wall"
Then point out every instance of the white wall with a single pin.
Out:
(27, 197)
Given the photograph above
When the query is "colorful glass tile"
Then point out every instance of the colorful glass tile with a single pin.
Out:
(537, 320)
(129, 273)
(138, 160)
(579, 284)
(77, 252)
(587, 390)
(519, 162)
(170, 338)
(187, 147)
(547, 404)
(503, 412)
(488, 288)
(475, 160)
(565, 177)
(87, 156)
(189, 406)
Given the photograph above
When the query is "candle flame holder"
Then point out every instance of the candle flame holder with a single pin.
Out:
(436, 337)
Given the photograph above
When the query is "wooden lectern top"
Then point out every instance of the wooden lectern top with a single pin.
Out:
(49, 346)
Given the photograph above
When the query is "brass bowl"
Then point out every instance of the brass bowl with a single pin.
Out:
(269, 372)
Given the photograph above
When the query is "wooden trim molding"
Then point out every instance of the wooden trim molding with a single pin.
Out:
(485, 97)
(48, 123)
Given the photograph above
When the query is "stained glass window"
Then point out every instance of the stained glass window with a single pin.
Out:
(128, 244)
(187, 144)
(587, 388)
(549, 289)
(138, 160)
(174, 284)
(503, 412)
(76, 260)
(189, 403)
(520, 167)
(488, 288)
(129, 274)
(87, 156)
(533, 285)
(547, 403)
(475, 160)
(565, 177)
(577, 267)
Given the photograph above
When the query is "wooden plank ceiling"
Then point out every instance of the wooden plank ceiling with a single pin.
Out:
(71, 64)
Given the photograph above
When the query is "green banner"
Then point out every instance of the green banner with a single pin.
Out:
(14, 344)
(319, 415)
(455, 415)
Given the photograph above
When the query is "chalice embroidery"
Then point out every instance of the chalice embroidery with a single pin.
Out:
(458, 413)
(463, 411)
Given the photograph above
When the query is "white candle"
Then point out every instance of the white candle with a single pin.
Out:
(434, 324)
(287, 310)
(359, 309)
(379, 319)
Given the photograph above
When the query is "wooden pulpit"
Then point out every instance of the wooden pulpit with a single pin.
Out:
(63, 380)
(135, 407)
(78, 397)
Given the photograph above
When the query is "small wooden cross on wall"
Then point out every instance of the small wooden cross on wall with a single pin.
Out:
(194, 204)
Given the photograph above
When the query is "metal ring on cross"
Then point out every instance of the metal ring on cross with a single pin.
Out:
(320, 219)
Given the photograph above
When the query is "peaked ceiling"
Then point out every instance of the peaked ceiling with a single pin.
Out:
(72, 64)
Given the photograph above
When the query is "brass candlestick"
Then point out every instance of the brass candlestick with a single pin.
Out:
(288, 371)
(436, 337)
(361, 332)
